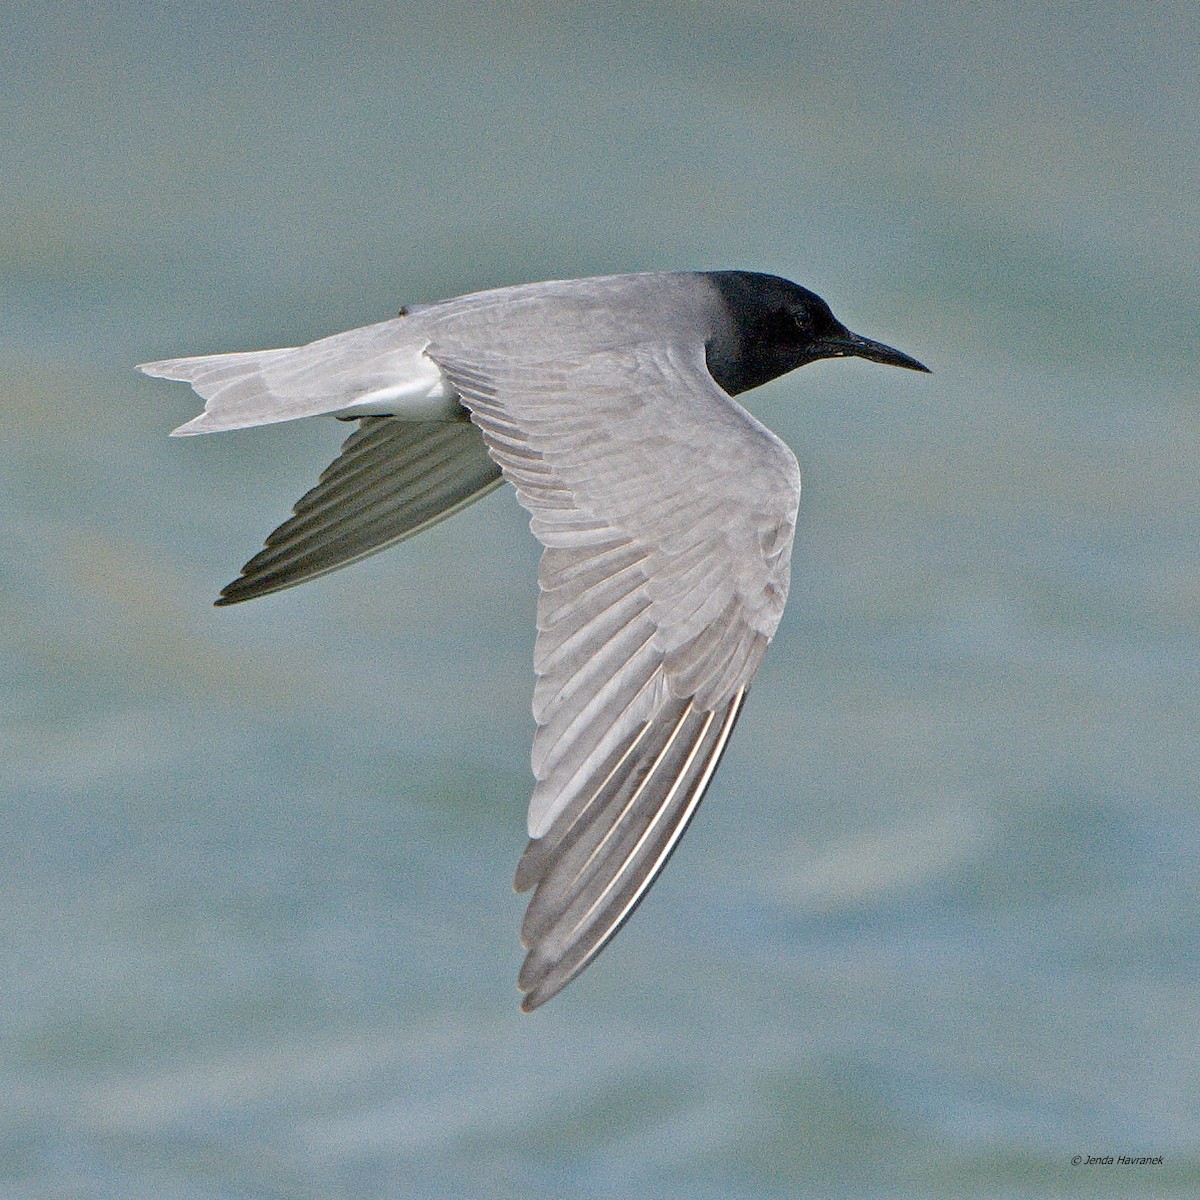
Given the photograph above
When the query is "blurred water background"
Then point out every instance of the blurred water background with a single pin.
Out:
(935, 930)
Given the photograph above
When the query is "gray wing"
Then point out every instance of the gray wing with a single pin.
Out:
(666, 513)
(392, 479)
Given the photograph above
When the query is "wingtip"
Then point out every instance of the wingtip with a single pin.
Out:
(527, 1002)
(229, 595)
(544, 989)
(536, 997)
(250, 586)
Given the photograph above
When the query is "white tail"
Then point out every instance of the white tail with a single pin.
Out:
(380, 370)
(234, 386)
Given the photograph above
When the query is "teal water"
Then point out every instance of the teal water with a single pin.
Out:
(934, 932)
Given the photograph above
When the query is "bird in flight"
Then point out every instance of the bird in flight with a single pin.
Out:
(665, 512)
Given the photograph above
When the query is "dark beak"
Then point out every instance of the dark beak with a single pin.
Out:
(850, 345)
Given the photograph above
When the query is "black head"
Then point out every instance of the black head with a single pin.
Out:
(777, 326)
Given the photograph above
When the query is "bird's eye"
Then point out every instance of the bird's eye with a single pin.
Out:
(785, 325)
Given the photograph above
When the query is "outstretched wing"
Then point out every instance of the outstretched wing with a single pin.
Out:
(392, 479)
(666, 512)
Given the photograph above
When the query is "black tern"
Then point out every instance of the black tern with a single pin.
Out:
(665, 512)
